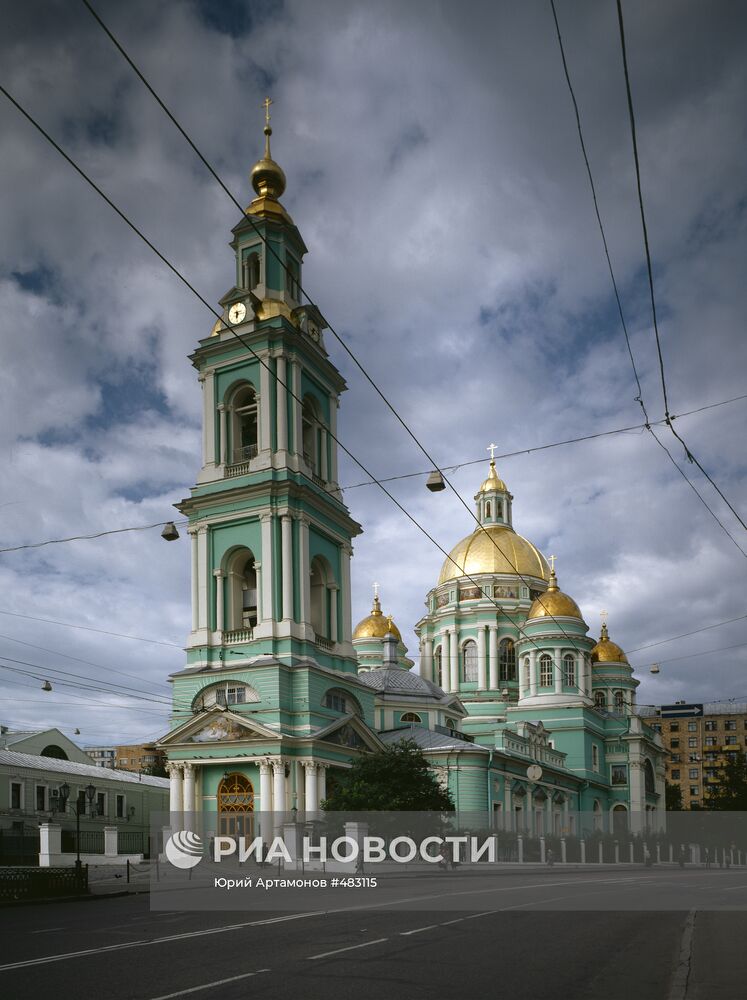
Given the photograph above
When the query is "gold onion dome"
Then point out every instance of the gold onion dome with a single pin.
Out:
(493, 482)
(494, 548)
(376, 625)
(607, 651)
(554, 603)
(267, 177)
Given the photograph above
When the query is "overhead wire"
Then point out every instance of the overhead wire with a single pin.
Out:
(91, 628)
(649, 270)
(639, 397)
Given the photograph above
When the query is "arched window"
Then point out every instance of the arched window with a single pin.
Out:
(648, 777)
(619, 819)
(569, 670)
(323, 600)
(600, 699)
(342, 701)
(309, 432)
(507, 660)
(292, 277)
(411, 717)
(597, 815)
(438, 660)
(241, 602)
(244, 425)
(545, 670)
(225, 694)
(235, 805)
(469, 655)
(487, 511)
(499, 511)
(619, 701)
(527, 679)
(57, 753)
(250, 270)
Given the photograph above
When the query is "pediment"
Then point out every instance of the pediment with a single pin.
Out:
(217, 725)
(350, 731)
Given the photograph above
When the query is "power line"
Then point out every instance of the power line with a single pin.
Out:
(668, 418)
(685, 635)
(704, 652)
(571, 640)
(90, 628)
(649, 269)
(97, 534)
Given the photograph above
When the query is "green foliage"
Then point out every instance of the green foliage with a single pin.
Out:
(731, 792)
(397, 779)
(673, 797)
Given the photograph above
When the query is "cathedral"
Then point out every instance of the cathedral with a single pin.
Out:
(522, 715)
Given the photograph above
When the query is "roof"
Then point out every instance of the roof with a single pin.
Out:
(395, 680)
(32, 761)
(9, 738)
(427, 739)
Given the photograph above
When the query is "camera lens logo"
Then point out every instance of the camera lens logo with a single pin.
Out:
(184, 849)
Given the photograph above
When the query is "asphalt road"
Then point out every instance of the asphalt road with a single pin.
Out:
(528, 939)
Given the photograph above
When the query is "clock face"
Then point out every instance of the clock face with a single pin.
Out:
(313, 332)
(237, 312)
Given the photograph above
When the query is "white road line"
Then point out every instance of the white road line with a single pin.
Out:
(678, 989)
(48, 930)
(209, 986)
(352, 947)
(418, 930)
(729, 888)
(46, 960)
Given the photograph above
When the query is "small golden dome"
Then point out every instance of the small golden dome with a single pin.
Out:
(554, 603)
(268, 179)
(607, 651)
(493, 482)
(494, 548)
(376, 625)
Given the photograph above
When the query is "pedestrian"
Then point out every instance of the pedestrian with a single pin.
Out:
(550, 857)
(707, 857)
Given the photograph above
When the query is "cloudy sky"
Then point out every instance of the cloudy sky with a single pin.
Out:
(435, 172)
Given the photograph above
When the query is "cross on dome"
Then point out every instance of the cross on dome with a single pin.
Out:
(266, 105)
(492, 449)
(376, 589)
(603, 616)
(552, 563)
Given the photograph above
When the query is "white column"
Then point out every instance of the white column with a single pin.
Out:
(202, 577)
(278, 768)
(482, 672)
(175, 791)
(581, 673)
(209, 417)
(322, 782)
(304, 569)
(332, 598)
(265, 788)
(333, 404)
(297, 410)
(189, 792)
(300, 800)
(282, 404)
(453, 661)
(195, 580)
(312, 790)
(265, 413)
(346, 552)
(286, 527)
(532, 672)
(494, 678)
(426, 661)
(558, 665)
(267, 574)
(223, 453)
(220, 623)
(323, 466)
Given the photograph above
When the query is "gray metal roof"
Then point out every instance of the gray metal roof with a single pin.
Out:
(395, 680)
(426, 739)
(31, 761)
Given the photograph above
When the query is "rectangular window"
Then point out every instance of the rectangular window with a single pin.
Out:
(120, 806)
(675, 744)
(693, 772)
(692, 741)
(101, 803)
(675, 775)
(730, 725)
(692, 727)
(710, 741)
(594, 757)
(619, 773)
(692, 757)
(710, 725)
(656, 727)
(731, 741)
(41, 798)
(711, 755)
(694, 790)
(675, 758)
(16, 795)
(674, 727)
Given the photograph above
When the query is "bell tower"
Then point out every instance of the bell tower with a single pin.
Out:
(270, 535)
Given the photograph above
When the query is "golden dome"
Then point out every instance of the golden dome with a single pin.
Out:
(494, 548)
(376, 625)
(267, 177)
(493, 482)
(607, 651)
(554, 603)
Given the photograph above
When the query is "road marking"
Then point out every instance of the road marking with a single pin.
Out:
(48, 930)
(147, 942)
(352, 947)
(729, 888)
(678, 989)
(209, 986)
(418, 930)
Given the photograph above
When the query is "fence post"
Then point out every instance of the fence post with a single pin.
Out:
(658, 853)
(50, 844)
(601, 853)
(671, 854)
(111, 841)
(583, 852)
(543, 854)
(632, 854)
(563, 851)
(520, 848)
(617, 852)
(127, 862)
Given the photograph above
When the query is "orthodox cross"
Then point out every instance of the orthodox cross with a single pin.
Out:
(492, 448)
(552, 563)
(266, 105)
(376, 590)
(603, 616)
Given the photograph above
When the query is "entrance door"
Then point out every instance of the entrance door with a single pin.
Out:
(236, 806)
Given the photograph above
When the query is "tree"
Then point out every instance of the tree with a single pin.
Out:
(673, 797)
(731, 791)
(396, 779)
